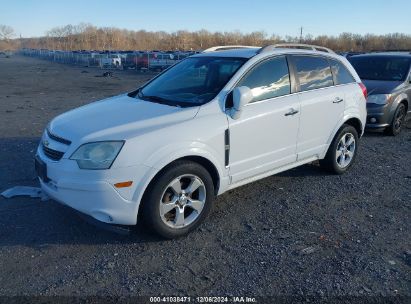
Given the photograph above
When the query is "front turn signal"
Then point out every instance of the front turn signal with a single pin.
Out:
(123, 184)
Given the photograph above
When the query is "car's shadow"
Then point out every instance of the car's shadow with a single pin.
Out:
(311, 169)
(30, 222)
(33, 223)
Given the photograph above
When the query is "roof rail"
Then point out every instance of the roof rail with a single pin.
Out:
(295, 46)
(228, 47)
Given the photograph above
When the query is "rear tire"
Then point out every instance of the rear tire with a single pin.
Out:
(178, 200)
(342, 152)
(398, 121)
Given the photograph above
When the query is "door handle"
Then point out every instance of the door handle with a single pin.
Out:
(291, 112)
(338, 100)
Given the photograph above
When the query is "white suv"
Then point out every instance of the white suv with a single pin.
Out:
(215, 121)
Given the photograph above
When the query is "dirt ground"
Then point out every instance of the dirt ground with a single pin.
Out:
(302, 233)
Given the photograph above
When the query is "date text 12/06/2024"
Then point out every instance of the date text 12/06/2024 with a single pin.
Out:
(233, 299)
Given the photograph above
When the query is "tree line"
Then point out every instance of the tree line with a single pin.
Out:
(88, 37)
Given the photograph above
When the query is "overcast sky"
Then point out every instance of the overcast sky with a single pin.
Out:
(33, 18)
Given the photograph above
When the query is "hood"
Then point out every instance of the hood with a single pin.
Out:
(380, 86)
(117, 118)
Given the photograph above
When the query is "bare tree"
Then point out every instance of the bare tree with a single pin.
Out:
(88, 37)
(6, 35)
(6, 32)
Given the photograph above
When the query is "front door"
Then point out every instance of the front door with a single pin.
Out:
(265, 135)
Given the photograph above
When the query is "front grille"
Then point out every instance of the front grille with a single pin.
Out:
(58, 139)
(52, 154)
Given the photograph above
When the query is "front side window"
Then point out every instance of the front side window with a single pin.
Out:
(341, 74)
(192, 82)
(313, 72)
(268, 79)
(375, 67)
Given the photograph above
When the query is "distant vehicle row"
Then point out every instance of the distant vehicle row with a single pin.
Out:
(140, 60)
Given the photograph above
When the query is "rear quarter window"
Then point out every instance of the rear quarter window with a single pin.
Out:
(313, 72)
(340, 72)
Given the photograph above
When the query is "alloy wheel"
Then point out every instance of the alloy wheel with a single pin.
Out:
(182, 201)
(399, 118)
(345, 150)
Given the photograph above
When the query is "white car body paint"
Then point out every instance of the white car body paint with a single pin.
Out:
(262, 140)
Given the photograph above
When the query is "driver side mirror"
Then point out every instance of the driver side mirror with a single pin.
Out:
(241, 96)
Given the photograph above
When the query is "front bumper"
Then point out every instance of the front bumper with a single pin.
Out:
(97, 199)
(92, 192)
(379, 116)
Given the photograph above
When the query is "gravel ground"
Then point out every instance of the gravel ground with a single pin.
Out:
(301, 233)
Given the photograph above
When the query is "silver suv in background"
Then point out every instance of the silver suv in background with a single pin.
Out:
(387, 77)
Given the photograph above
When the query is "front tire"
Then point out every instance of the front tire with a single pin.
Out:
(342, 152)
(398, 120)
(178, 199)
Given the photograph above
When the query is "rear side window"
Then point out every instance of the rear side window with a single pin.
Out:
(268, 79)
(313, 72)
(341, 74)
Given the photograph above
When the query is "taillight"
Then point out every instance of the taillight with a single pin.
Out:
(364, 89)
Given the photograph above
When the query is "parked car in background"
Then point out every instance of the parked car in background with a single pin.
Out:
(6, 54)
(160, 61)
(210, 123)
(387, 77)
(111, 60)
(128, 60)
(350, 54)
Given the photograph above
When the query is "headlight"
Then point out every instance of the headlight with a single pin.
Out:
(97, 155)
(379, 98)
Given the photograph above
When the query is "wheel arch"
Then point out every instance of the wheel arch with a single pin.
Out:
(406, 104)
(209, 165)
(351, 120)
(356, 123)
(401, 98)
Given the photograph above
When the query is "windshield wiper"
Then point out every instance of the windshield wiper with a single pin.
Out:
(156, 99)
(161, 100)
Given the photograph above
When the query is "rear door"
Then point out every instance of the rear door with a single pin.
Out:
(322, 104)
(345, 81)
(264, 137)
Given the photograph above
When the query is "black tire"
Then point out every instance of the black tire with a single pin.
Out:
(397, 121)
(156, 192)
(331, 161)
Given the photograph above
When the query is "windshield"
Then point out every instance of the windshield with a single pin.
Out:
(192, 82)
(381, 67)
